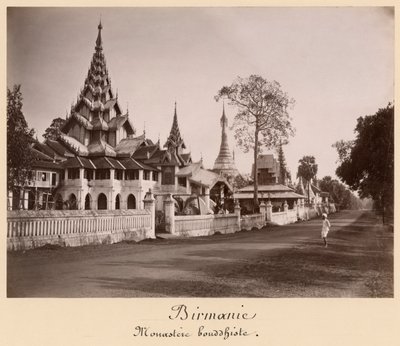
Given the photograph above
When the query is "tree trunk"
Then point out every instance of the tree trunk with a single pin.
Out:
(255, 203)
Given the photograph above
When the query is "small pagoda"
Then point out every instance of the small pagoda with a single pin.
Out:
(225, 163)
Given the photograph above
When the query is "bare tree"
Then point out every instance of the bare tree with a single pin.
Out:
(262, 118)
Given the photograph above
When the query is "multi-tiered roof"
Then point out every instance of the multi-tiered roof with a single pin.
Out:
(96, 125)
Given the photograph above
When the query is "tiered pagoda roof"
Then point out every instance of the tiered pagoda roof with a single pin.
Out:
(96, 110)
(97, 134)
(175, 140)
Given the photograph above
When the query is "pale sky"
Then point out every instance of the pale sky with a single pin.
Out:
(337, 63)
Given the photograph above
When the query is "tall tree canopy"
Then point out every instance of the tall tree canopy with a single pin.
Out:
(339, 193)
(262, 118)
(54, 130)
(307, 170)
(367, 163)
(19, 139)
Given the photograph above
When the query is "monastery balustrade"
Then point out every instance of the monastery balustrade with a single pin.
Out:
(248, 222)
(30, 229)
(201, 225)
(284, 217)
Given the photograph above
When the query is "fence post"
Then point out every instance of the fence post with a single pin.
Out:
(263, 210)
(295, 207)
(237, 213)
(169, 210)
(269, 211)
(149, 204)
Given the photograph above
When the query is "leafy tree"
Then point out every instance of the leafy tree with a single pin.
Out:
(19, 140)
(367, 163)
(284, 175)
(241, 181)
(307, 170)
(54, 130)
(339, 193)
(262, 118)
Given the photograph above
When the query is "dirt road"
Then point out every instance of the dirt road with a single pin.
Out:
(286, 261)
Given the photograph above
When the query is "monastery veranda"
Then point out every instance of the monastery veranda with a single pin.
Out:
(102, 183)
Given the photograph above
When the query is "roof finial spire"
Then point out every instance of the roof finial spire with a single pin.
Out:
(175, 109)
(127, 108)
(144, 130)
(99, 41)
(224, 119)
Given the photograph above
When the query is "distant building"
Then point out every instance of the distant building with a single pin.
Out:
(267, 170)
(277, 194)
(316, 194)
(269, 188)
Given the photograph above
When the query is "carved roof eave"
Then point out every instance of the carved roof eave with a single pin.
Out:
(72, 148)
(130, 130)
(82, 121)
(74, 120)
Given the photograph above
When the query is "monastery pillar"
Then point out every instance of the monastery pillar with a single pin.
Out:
(149, 204)
(80, 203)
(187, 186)
(81, 175)
(25, 197)
(169, 210)
(110, 199)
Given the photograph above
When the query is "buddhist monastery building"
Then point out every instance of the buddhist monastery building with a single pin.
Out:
(99, 162)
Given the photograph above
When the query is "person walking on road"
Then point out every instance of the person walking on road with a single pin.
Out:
(325, 228)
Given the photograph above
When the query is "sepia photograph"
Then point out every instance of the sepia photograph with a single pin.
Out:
(200, 152)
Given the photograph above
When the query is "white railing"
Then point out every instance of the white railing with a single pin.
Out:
(28, 229)
(279, 218)
(248, 222)
(196, 225)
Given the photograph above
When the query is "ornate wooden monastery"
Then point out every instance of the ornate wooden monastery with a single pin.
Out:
(99, 163)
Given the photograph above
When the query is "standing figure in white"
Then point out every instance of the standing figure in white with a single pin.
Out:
(325, 228)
